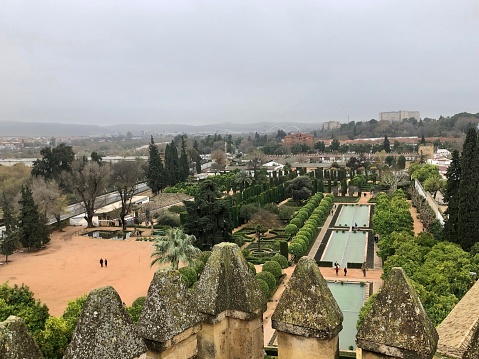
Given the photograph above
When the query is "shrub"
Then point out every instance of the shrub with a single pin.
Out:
(268, 278)
(168, 219)
(302, 237)
(177, 209)
(136, 308)
(296, 250)
(247, 211)
(274, 268)
(198, 265)
(204, 256)
(189, 275)
(282, 260)
(239, 240)
(291, 229)
(283, 248)
(301, 242)
(264, 287)
(297, 222)
(252, 268)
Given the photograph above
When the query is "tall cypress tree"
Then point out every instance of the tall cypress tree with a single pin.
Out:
(453, 174)
(387, 144)
(155, 173)
(10, 235)
(33, 229)
(184, 168)
(468, 213)
(172, 170)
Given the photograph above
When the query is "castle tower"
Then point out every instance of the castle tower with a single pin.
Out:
(105, 329)
(397, 325)
(232, 304)
(169, 320)
(307, 318)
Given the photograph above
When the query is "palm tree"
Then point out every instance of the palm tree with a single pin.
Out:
(176, 246)
(243, 178)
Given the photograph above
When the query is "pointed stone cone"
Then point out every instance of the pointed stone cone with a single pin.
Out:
(16, 341)
(307, 307)
(397, 324)
(170, 309)
(227, 284)
(232, 304)
(459, 332)
(105, 329)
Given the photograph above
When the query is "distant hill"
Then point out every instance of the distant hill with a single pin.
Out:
(43, 129)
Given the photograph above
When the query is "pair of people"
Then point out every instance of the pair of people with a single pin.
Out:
(336, 265)
(103, 261)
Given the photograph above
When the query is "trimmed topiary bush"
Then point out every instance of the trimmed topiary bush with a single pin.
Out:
(297, 222)
(264, 287)
(274, 268)
(296, 250)
(282, 260)
(268, 278)
(252, 268)
(291, 229)
(189, 275)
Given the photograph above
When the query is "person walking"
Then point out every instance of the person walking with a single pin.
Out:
(345, 271)
(101, 262)
(106, 263)
(337, 270)
(363, 267)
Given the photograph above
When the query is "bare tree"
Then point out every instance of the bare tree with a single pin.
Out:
(124, 177)
(47, 195)
(89, 180)
(393, 178)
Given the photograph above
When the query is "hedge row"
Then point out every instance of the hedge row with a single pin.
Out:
(305, 236)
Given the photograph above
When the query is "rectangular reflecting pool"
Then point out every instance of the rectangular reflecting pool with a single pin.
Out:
(346, 247)
(350, 298)
(353, 215)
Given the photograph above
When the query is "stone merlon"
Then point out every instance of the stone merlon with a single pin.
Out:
(307, 306)
(169, 310)
(459, 332)
(397, 324)
(16, 341)
(105, 330)
(227, 285)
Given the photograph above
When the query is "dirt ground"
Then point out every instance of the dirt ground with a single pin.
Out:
(69, 267)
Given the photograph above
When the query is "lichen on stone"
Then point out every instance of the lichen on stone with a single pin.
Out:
(16, 341)
(397, 322)
(307, 306)
(170, 308)
(227, 284)
(105, 329)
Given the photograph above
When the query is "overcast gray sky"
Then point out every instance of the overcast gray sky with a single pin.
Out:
(214, 61)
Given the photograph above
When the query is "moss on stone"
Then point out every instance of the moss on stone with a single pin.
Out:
(307, 306)
(227, 284)
(105, 330)
(170, 308)
(397, 324)
(16, 341)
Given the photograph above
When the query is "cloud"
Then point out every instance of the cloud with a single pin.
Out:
(214, 61)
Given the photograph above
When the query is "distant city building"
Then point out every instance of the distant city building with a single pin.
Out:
(331, 125)
(303, 138)
(396, 116)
